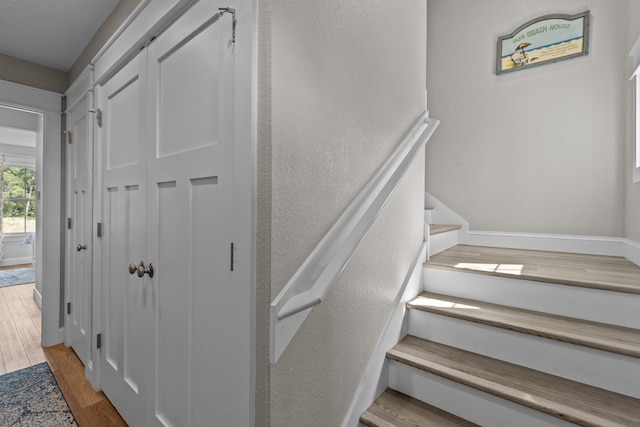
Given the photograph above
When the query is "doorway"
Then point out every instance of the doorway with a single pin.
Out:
(43, 107)
(20, 321)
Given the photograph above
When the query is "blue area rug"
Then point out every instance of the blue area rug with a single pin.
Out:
(31, 397)
(17, 276)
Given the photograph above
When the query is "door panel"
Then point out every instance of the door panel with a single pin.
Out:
(177, 345)
(79, 209)
(125, 299)
(197, 372)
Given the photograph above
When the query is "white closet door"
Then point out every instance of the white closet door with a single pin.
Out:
(199, 377)
(125, 298)
(79, 238)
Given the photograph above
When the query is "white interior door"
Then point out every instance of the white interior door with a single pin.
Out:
(199, 377)
(175, 346)
(79, 238)
(125, 298)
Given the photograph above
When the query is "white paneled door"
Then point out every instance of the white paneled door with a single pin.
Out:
(171, 338)
(189, 228)
(125, 298)
(79, 239)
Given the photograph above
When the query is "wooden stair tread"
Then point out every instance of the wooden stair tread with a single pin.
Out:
(394, 409)
(592, 271)
(569, 400)
(443, 228)
(601, 336)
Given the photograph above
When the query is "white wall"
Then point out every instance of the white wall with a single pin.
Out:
(346, 81)
(541, 150)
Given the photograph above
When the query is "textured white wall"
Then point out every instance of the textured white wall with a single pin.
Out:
(541, 150)
(347, 81)
(632, 193)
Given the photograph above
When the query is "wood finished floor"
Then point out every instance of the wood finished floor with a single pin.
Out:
(594, 271)
(20, 323)
(19, 329)
(90, 408)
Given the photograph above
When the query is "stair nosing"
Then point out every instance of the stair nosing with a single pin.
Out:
(554, 280)
(619, 274)
(435, 229)
(531, 327)
(388, 404)
(514, 387)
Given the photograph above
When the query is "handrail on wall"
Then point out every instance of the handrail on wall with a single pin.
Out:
(310, 284)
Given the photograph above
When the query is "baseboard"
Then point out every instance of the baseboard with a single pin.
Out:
(37, 296)
(595, 245)
(16, 261)
(376, 379)
(632, 251)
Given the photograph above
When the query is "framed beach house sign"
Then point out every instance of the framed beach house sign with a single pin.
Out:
(543, 40)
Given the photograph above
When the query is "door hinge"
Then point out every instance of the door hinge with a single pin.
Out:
(234, 20)
(68, 308)
(99, 229)
(69, 223)
(99, 341)
(231, 256)
(98, 116)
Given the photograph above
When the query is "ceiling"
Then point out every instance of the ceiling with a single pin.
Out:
(50, 32)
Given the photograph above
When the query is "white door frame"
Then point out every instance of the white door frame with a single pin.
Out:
(48, 216)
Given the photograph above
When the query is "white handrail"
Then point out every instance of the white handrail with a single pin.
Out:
(310, 284)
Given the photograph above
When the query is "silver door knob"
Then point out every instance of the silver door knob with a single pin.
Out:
(133, 268)
(81, 247)
(141, 270)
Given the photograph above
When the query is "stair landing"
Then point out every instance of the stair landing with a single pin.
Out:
(593, 271)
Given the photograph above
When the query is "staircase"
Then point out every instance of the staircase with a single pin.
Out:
(515, 338)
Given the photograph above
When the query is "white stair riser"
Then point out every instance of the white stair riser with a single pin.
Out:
(611, 371)
(615, 308)
(443, 241)
(468, 403)
(427, 216)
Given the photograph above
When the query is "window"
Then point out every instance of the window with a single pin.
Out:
(19, 202)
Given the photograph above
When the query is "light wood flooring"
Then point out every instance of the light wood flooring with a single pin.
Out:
(594, 271)
(19, 329)
(20, 322)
